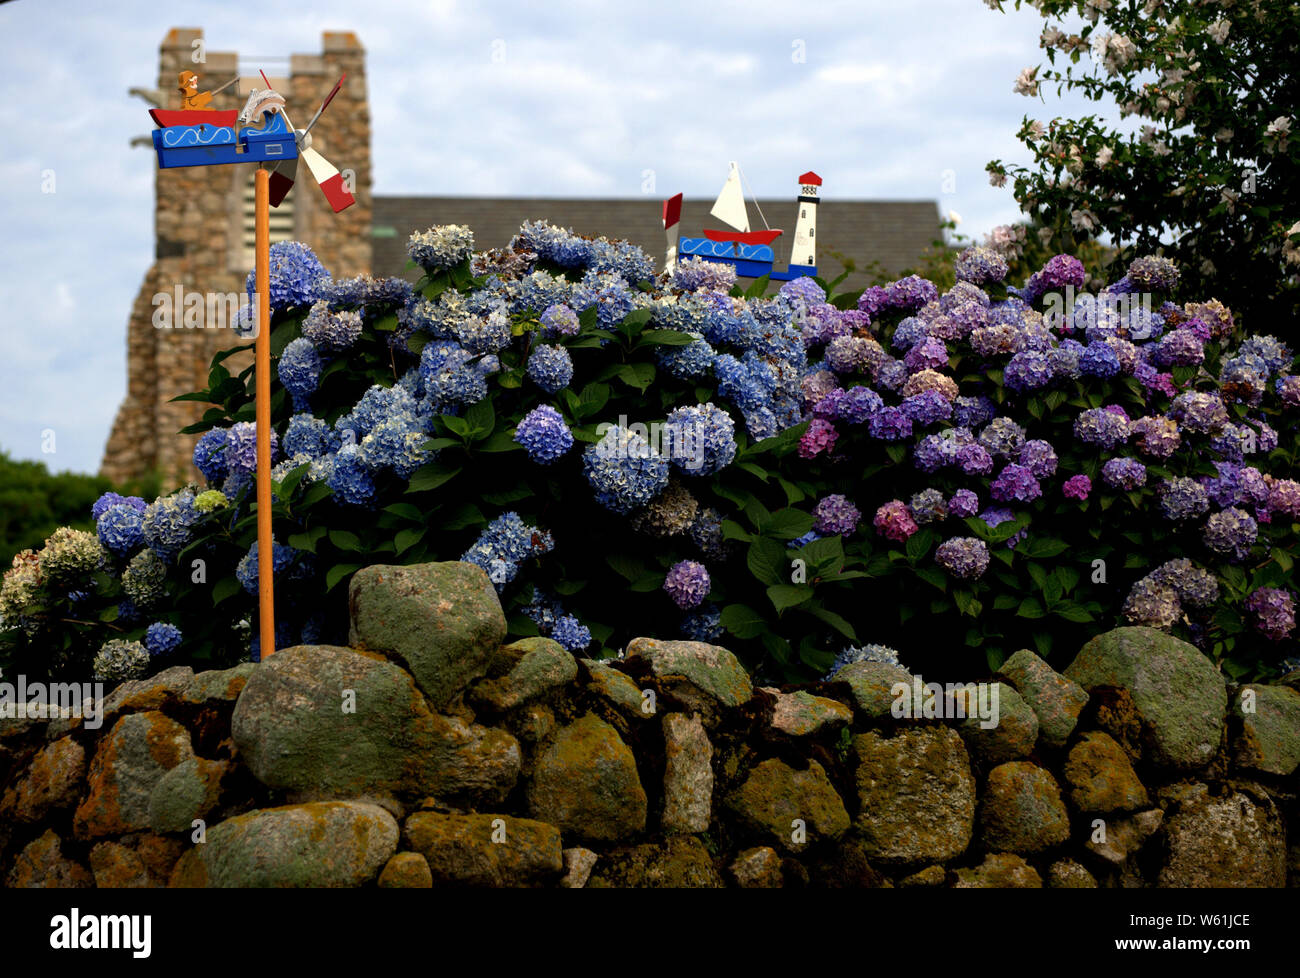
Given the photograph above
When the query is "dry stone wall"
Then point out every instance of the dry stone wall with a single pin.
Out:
(432, 753)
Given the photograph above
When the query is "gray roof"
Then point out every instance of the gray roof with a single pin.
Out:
(891, 233)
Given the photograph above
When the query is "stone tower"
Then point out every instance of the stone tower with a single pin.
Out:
(203, 230)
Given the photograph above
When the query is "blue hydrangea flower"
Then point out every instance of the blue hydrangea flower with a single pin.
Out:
(396, 443)
(504, 544)
(121, 529)
(246, 572)
(331, 331)
(350, 478)
(559, 320)
(703, 625)
(167, 523)
(701, 440)
(310, 436)
(624, 470)
(241, 447)
(571, 633)
(161, 638)
(209, 454)
(550, 367)
(102, 504)
(296, 275)
(442, 247)
(299, 370)
(688, 362)
(544, 435)
(451, 377)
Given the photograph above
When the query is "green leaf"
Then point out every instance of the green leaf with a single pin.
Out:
(407, 511)
(786, 524)
(666, 337)
(1030, 608)
(307, 540)
(480, 417)
(1072, 612)
(458, 518)
(431, 476)
(918, 544)
(336, 574)
(346, 540)
(408, 538)
(767, 562)
(743, 621)
(835, 621)
(502, 441)
(290, 482)
(785, 596)
(638, 375)
(629, 568)
(457, 426)
(225, 588)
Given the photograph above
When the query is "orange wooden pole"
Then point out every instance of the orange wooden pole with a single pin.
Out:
(262, 371)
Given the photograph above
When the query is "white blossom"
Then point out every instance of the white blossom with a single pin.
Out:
(1105, 155)
(1084, 220)
(1026, 82)
(1219, 30)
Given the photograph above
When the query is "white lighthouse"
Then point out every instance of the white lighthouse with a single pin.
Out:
(804, 250)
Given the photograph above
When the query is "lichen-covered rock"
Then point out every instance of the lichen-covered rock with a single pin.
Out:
(542, 665)
(1178, 691)
(151, 693)
(191, 790)
(442, 621)
(406, 871)
(688, 775)
(873, 686)
(139, 862)
(484, 850)
(1116, 839)
(217, 686)
(1021, 809)
(130, 761)
(801, 714)
(319, 844)
(585, 781)
(1012, 736)
(916, 795)
(930, 876)
(1237, 840)
(757, 868)
(681, 861)
(330, 722)
(709, 668)
(1269, 740)
(42, 865)
(615, 686)
(999, 870)
(774, 796)
(52, 781)
(1100, 777)
(578, 864)
(1069, 874)
(1055, 700)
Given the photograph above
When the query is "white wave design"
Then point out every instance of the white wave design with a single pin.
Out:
(176, 136)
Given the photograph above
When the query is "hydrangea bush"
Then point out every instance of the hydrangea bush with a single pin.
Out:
(958, 475)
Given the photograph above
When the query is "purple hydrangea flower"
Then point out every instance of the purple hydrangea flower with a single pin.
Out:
(1039, 457)
(963, 557)
(1274, 611)
(820, 437)
(963, 503)
(889, 424)
(687, 583)
(1077, 487)
(1015, 483)
(1124, 473)
(1231, 532)
(835, 514)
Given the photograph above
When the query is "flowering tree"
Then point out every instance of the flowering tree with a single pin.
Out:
(1206, 169)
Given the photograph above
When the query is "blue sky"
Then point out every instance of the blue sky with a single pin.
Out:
(518, 98)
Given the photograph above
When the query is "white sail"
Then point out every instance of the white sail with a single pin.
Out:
(729, 208)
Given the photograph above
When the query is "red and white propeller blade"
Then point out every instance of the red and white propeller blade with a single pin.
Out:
(329, 178)
(282, 178)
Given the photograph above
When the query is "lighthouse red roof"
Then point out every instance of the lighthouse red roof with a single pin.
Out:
(810, 178)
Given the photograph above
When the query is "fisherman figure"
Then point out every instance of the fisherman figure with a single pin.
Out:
(191, 97)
